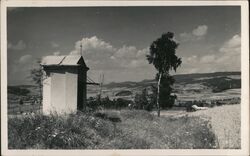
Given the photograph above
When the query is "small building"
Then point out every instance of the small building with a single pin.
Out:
(64, 84)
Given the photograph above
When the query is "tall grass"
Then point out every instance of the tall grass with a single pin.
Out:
(137, 130)
(170, 133)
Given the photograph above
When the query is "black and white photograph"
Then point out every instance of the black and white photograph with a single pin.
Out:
(113, 76)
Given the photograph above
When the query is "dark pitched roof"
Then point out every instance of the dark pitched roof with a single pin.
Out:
(68, 60)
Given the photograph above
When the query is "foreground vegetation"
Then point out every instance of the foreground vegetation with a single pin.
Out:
(137, 130)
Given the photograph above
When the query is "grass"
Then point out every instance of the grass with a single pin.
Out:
(137, 130)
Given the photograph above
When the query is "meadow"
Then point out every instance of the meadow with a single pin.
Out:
(138, 129)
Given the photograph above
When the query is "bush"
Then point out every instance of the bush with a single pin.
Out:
(93, 103)
(144, 101)
(121, 103)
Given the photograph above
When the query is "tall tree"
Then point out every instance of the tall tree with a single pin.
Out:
(162, 55)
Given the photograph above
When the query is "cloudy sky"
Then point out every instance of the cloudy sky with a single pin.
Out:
(115, 40)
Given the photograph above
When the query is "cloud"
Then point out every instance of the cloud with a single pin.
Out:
(93, 48)
(207, 59)
(232, 46)
(56, 53)
(186, 36)
(197, 33)
(201, 30)
(231, 52)
(102, 56)
(54, 44)
(226, 58)
(25, 59)
(131, 57)
(126, 52)
(20, 45)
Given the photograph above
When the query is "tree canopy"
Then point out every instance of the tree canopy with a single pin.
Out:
(162, 54)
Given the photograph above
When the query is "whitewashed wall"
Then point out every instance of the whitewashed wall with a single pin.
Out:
(46, 95)
(71, 90)
(60, 92)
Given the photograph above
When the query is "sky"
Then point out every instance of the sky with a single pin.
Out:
(115, 40)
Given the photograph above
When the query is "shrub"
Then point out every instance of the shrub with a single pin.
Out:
(121, 103)
(93, 103)
(143, 101)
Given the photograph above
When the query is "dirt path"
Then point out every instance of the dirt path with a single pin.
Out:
(225, 121)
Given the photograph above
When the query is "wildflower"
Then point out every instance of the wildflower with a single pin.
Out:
(155, 123)
(54, 135)
(62, 132)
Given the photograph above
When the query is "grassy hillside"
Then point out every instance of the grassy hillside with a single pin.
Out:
(137, 130)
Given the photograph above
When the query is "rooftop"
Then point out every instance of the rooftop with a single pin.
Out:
(68, 60)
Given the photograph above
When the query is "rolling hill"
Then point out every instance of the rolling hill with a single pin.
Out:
(186, 87)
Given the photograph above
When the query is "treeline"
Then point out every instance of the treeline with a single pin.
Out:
(18, 91)
(107, 103)
(144, 100)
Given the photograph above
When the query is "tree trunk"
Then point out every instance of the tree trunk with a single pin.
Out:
(158, 95)
(41, 96)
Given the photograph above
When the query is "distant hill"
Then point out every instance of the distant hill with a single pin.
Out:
(216, 82)
(188, 78)
(182, 78)
(124, 93)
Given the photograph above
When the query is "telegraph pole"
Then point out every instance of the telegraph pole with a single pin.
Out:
(101, 83)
